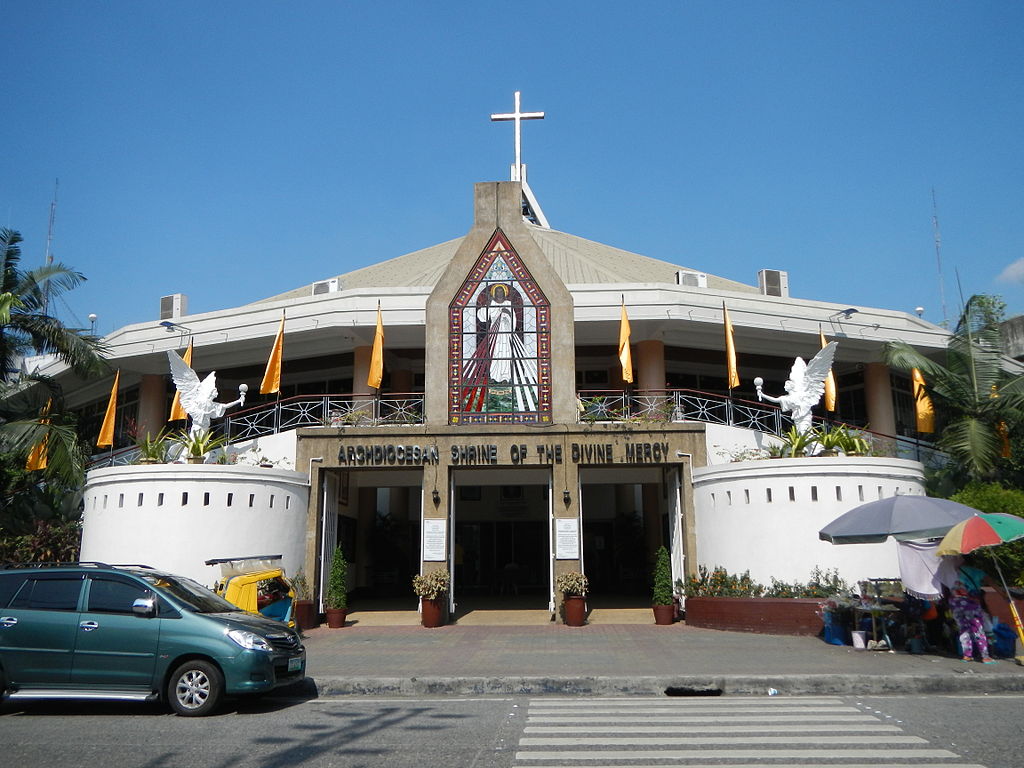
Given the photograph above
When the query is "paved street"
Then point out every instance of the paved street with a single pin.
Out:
(522, 732)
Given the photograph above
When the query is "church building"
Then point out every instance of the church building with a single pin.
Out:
(510, 438)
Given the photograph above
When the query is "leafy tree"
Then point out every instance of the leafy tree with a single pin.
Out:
(992, 497)
(976, 400)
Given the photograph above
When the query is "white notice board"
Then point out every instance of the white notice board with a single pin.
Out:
(435, 536)
(567, 539)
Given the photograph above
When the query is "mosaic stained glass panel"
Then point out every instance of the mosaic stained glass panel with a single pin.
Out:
(499, 343)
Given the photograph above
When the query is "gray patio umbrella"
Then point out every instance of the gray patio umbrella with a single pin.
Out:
(902, 517)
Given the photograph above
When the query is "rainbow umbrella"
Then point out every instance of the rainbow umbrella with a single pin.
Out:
(986, 529)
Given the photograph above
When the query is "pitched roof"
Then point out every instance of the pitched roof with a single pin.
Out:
(575, 259)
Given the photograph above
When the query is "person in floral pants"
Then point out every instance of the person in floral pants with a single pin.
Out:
(965, 604)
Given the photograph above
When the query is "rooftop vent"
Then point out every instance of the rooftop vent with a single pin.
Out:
(691, 279)
(173, 306)
(326, 286)
(773, 282)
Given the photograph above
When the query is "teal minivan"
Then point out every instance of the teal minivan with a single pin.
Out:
(96, 631)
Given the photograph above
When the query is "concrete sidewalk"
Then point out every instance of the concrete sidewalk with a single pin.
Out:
(623, 659)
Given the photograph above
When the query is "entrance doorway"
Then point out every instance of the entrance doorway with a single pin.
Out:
(374, 515)
(625, 519)
(501, 542)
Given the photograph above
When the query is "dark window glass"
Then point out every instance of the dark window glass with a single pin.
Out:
(9, 583)
(49, 594)
(106, 596)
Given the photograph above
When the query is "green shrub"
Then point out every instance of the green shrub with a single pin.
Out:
(720, 583)
(337, 589)
(662, 587)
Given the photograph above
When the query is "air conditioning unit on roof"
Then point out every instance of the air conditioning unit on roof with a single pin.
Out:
(173, 306)
(326, 286)
(691, 279)
(773, 282)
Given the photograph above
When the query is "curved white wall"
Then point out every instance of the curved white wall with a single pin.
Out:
(764, 515)
(176, 516)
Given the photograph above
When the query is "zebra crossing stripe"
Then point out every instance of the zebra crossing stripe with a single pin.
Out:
(746, 718)
(667, 708)
(622, 741)
(873, 727)
(720, 754)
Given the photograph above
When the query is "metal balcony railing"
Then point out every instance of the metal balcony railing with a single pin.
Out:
(594, 406)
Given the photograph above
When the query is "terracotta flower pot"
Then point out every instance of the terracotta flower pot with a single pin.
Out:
(575, 610)
(664, 614)
(305, 615)
(432, 612)
(336, 617)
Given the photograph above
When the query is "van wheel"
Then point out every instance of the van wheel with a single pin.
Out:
(195, 689)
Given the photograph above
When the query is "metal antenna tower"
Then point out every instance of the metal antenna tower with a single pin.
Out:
(938, 258)
(48, 258)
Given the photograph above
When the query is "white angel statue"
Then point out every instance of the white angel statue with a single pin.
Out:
(197, 397)
(804, 387)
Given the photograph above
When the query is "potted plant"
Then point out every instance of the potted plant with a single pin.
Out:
(574, 586)
(195, 445)
(661, 599)
(431, 589)
(305, 613)
(153, 450)
(336, 599)
(839, 440)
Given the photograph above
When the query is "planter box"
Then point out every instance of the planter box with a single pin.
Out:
(767, 615)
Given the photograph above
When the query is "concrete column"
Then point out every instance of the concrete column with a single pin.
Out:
(650, 364)
(878, 399)
(152, 404)
(565, 477)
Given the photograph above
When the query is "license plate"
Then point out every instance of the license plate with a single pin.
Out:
(294, 665)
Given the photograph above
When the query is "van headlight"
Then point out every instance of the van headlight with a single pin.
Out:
(249, 640)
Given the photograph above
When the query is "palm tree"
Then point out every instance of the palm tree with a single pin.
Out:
(27, 328)
(25, 325)
(975, 397)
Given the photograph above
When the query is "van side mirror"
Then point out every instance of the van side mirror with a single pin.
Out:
(145, 607)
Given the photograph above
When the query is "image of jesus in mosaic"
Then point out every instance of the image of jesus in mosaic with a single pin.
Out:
(501, 372)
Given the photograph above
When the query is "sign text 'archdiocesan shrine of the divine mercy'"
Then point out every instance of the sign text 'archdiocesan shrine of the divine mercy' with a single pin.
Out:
(485, 454)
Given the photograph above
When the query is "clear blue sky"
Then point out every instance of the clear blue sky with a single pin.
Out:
(234, 150)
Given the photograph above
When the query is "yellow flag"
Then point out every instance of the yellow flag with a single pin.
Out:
(37, 456)
(272, 376)
(922, 404)
(376, 374)
(625, 356)
(730, 351)
(106, 438)
(830, 381)
(177, 412)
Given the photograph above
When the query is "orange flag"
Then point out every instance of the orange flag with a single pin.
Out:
(106, 438)
(625, 356)
(730, 351)
(177, 412)
(37, 456)
(272, 376)
(376, 374)
(922, 404)
(830, 380)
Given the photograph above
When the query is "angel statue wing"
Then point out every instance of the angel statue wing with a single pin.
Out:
(196, 396)
(809, 378)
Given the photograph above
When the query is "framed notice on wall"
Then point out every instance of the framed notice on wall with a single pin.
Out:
(567, 539)
(435, 537)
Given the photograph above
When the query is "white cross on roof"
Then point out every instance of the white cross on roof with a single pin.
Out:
(518, 116)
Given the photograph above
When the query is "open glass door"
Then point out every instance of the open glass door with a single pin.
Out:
(329, 530)
(675, 517)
